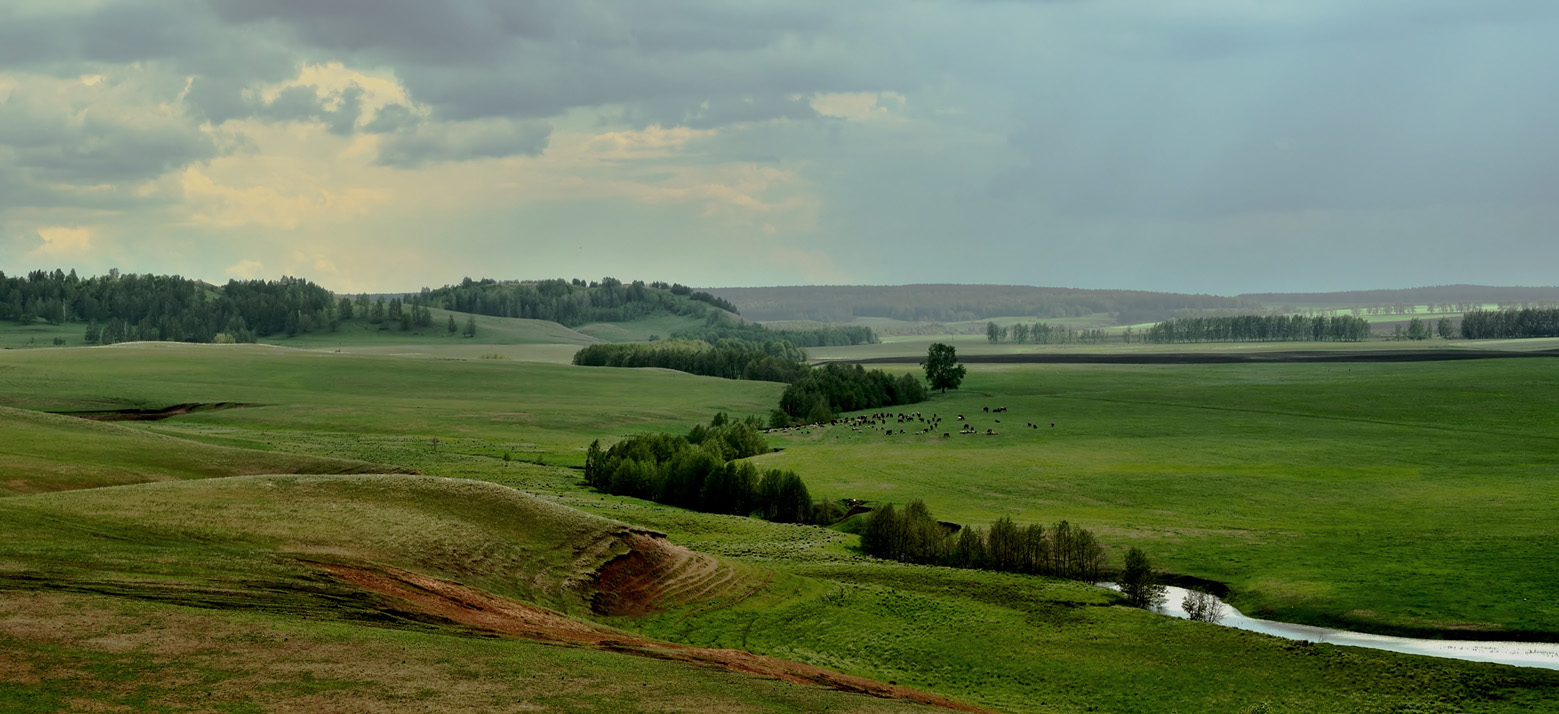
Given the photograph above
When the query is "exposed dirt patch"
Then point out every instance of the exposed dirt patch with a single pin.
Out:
(485, 612)
(153, 414)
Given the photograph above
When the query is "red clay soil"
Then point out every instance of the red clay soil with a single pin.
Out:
(482, 611)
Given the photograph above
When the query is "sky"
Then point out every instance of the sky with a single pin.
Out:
(1217, 146)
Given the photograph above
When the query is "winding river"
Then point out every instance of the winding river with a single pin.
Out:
(1521, 654)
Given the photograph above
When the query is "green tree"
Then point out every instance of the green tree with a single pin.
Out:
(1417, 330)
(453, 328)
(1446, 328)
(942, 368)
(1139, 583)
(992, 332)
(470, 330)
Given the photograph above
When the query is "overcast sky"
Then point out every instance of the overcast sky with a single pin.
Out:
(1219, 146)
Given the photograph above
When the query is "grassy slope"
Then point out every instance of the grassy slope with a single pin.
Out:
(1412, 496)
(357, 333)
(134, 558)
(558, 407)
(641, 330)
(44, 452)
(927, 627)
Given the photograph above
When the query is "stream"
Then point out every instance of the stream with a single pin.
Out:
(1521, 654)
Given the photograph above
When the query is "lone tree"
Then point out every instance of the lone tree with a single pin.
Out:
(1138, 582)
(942, 368)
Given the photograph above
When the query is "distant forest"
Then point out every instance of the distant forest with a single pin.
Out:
(1260, 328)
(1453, 294)
(119, 308)
(953, 303)
(574, 302)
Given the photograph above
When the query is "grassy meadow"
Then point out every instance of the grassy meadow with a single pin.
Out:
(1406, 497)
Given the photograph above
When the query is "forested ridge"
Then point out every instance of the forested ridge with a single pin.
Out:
(117, 308)
(1454, 294)
(953, 303)
(574, 302)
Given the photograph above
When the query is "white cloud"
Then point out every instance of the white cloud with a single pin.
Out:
(62, 242)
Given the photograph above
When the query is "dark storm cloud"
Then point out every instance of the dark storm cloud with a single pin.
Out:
(339, 114)
(482, 58)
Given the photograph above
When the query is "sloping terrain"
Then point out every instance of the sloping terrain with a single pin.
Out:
(429, 554)
(48, 452)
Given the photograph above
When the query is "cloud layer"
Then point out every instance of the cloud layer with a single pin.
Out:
(1199, 146)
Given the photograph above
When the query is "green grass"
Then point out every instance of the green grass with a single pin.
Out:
(1408, 496)
(127, 655)
(559, 407)
(39, 334)
(44, 452)
(1405, 497)
(641, 330)
(358, 334)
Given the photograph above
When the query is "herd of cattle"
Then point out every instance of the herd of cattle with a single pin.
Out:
(894, 424)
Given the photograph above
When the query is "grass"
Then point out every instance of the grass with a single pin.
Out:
(359, 334)
(127, 655)
(559, 407)
(641, 330)
(44, 452)
(1391, 496)
(1407, 497)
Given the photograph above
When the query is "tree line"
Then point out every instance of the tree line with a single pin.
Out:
(913, 535)
(574, 302)
(120, 308)
(771, 361)
(822, 392)
(1260, 328)
(1508, 324)
(699, 471)
(957, 303)
(720, 327)
(1041, 333)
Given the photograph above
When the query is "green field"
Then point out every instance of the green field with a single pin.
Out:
(1382, 496)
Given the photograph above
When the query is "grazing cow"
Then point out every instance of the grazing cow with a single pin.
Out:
(987, 410)
(945, 435)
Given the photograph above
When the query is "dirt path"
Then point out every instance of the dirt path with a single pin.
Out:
(477, 609)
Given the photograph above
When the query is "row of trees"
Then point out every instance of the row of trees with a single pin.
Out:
(822, 392)
(700, 472)
(958, 303)
(772, 361)
(720, 327)
(1508, 324)
(118, 308)
(1260, 328)
(1041, 333)
(913, 535)
(575, 302)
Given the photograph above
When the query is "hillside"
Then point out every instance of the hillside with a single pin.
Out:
(438, 560)
(1454, 294)
(953, 303)
(45, 452)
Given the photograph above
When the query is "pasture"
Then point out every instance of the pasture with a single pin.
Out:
(1409, 498)
(1316, 492)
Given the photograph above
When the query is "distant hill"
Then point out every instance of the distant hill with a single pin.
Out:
(952, 303)
(1480, 294)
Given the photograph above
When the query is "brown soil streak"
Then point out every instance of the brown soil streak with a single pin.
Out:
(477, 609)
